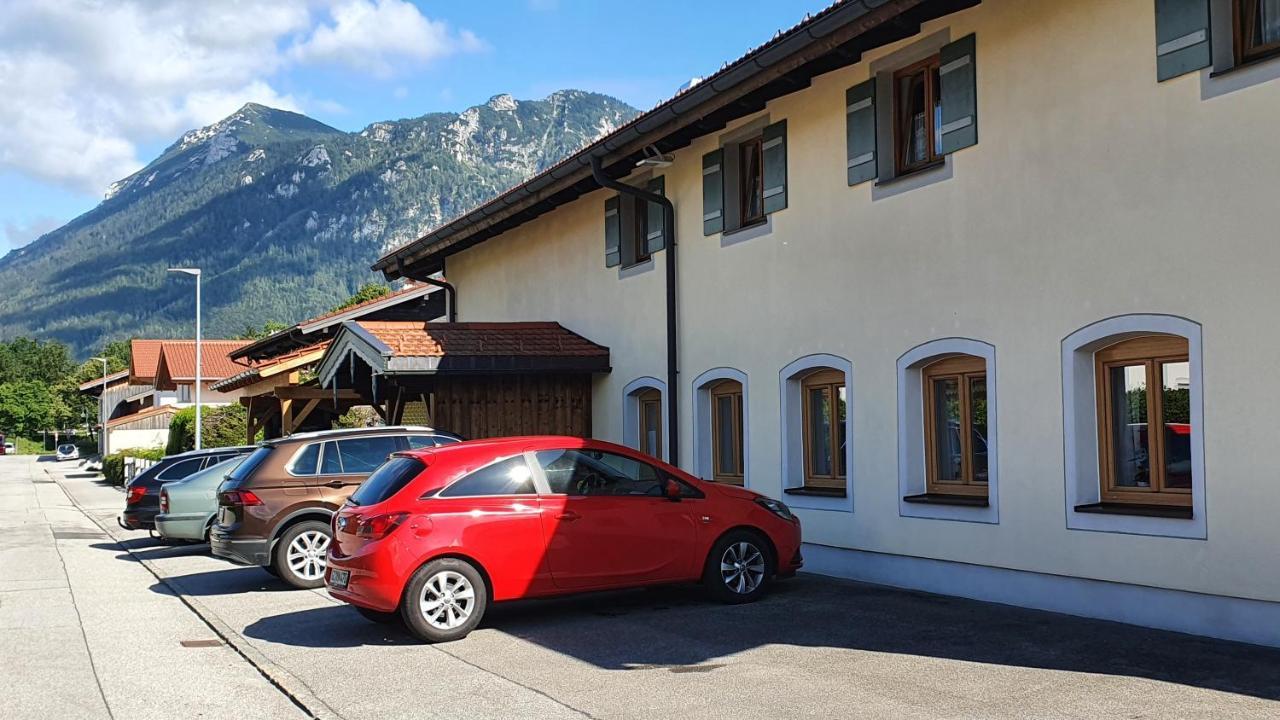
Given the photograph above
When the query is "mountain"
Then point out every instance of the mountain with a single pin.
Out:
(283, 213)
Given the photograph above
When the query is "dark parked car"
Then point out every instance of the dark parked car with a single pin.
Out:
(274, 508)
(142, 494)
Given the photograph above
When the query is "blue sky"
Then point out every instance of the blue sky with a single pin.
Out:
(95, 93)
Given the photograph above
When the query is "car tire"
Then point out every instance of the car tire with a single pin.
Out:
(378, 616)
(739, 567)
(300, 554)
(444, 600)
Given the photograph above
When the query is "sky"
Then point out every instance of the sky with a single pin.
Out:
(92, 89)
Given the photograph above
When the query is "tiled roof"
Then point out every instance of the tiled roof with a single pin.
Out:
(113, 377)
(143, 415)
(248, 377)
(389, 298)
(178, 360)
(510, 339)
(145, 357)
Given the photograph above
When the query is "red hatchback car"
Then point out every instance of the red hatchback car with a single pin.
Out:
(437, 534)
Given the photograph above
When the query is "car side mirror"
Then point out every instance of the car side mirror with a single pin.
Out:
(673, 490)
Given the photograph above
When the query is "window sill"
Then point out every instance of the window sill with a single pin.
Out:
(946, 499)
(816, 492)
(904, 176)
(1245, 65)
(1157, 511)
(743, 228)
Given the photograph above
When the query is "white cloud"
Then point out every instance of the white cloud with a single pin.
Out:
(372, 35)
(84, 83)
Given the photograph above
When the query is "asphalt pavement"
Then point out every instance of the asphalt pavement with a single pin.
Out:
(95, 618)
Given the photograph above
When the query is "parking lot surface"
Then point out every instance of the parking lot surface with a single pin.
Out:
(815, 647)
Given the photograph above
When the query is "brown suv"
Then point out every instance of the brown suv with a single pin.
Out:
(274, 508)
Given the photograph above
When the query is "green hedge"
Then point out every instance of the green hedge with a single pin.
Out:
(224, 425)
(113, 464)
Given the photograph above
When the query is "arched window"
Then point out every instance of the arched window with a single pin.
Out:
(1133, 427)
(955, 425)
(649, 406)
(726, 432)
(825, 401)
(1144, 414)
(644, 426)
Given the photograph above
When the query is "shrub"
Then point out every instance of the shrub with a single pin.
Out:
(224, 425)
(113, 464)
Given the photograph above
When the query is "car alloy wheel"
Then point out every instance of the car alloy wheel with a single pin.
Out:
(447, 600)
(306, 554)
(742, 567)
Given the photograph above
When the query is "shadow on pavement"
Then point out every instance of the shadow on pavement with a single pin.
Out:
(677, 627)
(235, 579)
(336, 626)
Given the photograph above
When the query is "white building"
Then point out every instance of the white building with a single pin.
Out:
(935, 343)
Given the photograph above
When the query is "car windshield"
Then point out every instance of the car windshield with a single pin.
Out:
(219, 470)
(66, 448)
(389, 479)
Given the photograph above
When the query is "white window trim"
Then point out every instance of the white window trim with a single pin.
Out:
(631, 413)
(911, 417)
(702, 433)
(789, 381)
(1080, 426)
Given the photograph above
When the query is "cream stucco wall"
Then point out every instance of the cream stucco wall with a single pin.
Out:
(1094, 191)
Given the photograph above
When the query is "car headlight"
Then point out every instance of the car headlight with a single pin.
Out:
(777, 507)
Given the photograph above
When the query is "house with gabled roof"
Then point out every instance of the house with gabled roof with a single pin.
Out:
(1006, 345)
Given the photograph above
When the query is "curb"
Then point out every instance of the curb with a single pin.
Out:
(286, 682)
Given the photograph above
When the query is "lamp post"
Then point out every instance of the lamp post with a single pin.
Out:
(102, 409)
(195, 272)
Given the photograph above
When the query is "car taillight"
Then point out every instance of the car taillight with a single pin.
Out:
(164, 501)
(379, 526)
(135, 495)
(241, 497)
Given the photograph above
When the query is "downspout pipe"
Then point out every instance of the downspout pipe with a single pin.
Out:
(669, 234)
(450, 292)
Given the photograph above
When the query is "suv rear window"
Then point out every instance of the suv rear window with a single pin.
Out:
(389, 479)
(251, 463)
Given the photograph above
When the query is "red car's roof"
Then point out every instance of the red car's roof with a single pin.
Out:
(516, 444)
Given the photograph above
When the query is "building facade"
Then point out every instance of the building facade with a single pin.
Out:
(1018, 364)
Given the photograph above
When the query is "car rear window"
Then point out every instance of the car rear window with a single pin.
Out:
(251, 463)
(389, 479)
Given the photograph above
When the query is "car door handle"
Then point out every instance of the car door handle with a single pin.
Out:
(568, 516)
(334, 484)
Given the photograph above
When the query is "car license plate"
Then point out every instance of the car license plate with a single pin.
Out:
(338, 578)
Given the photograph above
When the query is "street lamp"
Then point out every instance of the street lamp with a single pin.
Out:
(195, 272)
(102, 409)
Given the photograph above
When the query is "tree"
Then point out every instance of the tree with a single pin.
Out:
(368, 291)
(223, 426)
(26, 407)
(29, 359)
(270, 327)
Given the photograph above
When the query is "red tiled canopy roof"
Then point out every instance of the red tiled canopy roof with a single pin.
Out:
(511, 339)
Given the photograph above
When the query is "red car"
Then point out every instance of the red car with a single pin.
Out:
(437, 534)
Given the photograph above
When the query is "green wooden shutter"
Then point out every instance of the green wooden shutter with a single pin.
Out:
(612, 233)
(775, 166)
(957, 70)
(860, 131)
(713, 192)
(1182, 37)
(655, 240)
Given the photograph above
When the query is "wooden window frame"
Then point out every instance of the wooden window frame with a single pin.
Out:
(644, 400)
(745, 220)
(831, 381)
(1152, 351)
(964, 369)
(929, 66)
(1243, 52)
(731, 389)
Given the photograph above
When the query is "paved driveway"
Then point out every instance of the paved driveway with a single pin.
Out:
(816, 647)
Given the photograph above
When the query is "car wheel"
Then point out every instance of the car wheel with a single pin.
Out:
(444, 600)
(739, 567)
(377, 616)
(301, 554)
